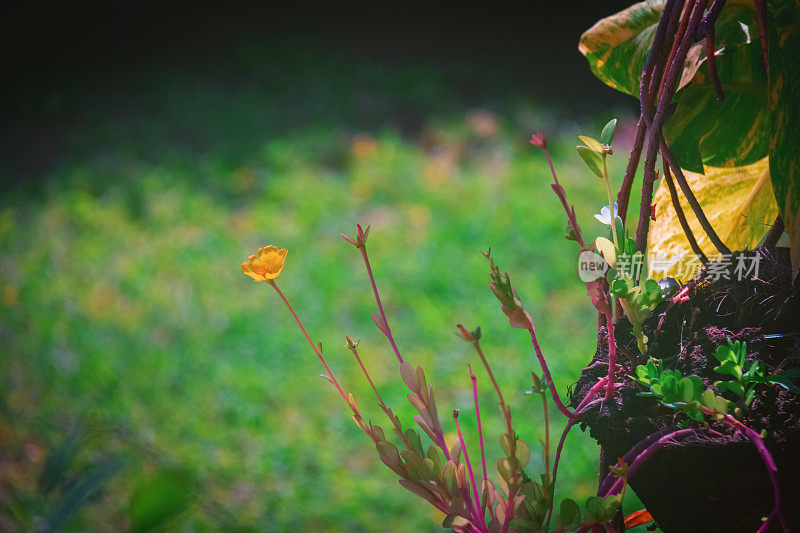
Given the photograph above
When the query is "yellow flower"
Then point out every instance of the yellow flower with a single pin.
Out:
(266, 265)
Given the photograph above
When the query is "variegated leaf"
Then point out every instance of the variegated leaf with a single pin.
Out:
(738, 202)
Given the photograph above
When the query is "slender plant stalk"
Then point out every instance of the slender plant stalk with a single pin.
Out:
(669, 157)
(612, 357)
(647, 453)
(559, 190)
(313, 346)
(546, 434)
(474, 381)
(478, 349)
(667, 91)
(571, 422)
(601, 383)
(761, 14)
(772, 470)
(629, 457)
(678, 38)
(388, 331)
(645, 95)
(712, 64)
(369, 379)
(330, 375)
(676, 204)
(775, 232)
(475, 504)
(393, 419)
(546, 372)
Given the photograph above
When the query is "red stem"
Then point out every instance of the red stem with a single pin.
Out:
(772, 471)
(571, 422)
(473, 505)
(654, 130)
(646, 88)
(712, 64)
(313, 346)
(480, 430)
(612, 358)
(559, 190)
(546, 372)
(366, 374)
(477, 346)
(761, 14)
(388, 332)
(586, 400)
(648, 452)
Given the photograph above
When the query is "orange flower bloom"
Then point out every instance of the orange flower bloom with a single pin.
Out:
(266, 264)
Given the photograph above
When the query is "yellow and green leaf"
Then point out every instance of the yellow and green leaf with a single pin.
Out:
(617, 47)
(738, 201)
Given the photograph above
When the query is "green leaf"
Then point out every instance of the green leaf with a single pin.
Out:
(523, 455)
(607, 135)
(569, 234)
(570, 514)
(506, 444)
(734, 132)
(450, 478)
(687, 389)
(619, 288)
(592, 159)
(593, 144)
(617, 47)
(415, 441)
(725, 353)
(620, 230)
(785, 378)
(607, 249)
(736, 387)
(389, 455)
(708, 400)
(160, 498)
(721, 405)
(784, 117)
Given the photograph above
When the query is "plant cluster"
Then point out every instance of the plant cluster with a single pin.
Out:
(672, 67)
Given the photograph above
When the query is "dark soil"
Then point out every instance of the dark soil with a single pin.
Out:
(709, 484)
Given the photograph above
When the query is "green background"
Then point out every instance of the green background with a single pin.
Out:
(124, 314)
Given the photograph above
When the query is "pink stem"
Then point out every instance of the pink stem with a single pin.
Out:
(476, 504)
(571, 422)
(480, 430)
(546, 372)
(559, 190)
(313, 346)
(597, 387)
(612, 357)
(630, 456)
(388, 331)
(772, 471)
(647, 453)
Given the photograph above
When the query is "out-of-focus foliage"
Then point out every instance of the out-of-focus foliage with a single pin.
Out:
(123, 309)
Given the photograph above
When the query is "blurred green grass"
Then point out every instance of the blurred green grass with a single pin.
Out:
(124, 310)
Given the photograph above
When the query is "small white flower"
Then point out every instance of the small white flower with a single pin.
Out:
(605, 215)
